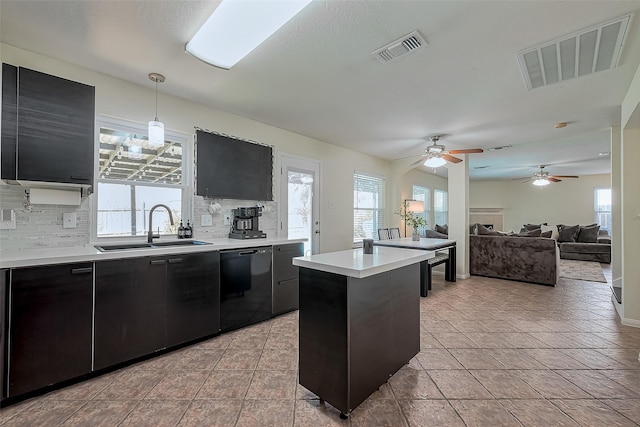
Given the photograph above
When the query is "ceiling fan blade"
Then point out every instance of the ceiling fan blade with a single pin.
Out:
(417, 162)
(408, 157)
(551, 178)
(467, 151)
(451, 158)
(564, 176)
(526, 180)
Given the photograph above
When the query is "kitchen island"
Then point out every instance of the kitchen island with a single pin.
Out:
(359, 320)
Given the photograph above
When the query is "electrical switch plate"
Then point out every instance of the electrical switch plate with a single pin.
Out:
(7, 219)
(206, 220)
(69, 220)
(227, 220)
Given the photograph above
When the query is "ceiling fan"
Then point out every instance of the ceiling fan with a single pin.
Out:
(542, 177)
(437, 155)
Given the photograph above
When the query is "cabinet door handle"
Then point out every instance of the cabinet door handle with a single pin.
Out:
(158, 262)
(83, 270)
(248, 253)
(175, 260)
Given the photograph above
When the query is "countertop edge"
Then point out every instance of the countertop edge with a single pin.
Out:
(88, 253)
(321, 262)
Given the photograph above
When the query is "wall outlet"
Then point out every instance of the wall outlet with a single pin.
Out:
(7, 219)
(69, 220)
(227, 220)
(206, 220)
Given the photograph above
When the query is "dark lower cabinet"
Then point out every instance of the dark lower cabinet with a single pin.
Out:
(130, 309)
(147, 304)
(285, 277)
(193, 297)
(50, 325)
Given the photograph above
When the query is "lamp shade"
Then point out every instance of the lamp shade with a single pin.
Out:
(156, 133)
(540, 182)
(415, 205)
(435, 162)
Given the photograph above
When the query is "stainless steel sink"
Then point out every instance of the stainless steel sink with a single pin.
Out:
(128, 246)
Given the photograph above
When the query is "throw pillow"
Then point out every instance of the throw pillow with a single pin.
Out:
(552, 228)
(482, 230)
(444, 229)
(568, 233)
(530, 233)
(529, 227)
(588, 234)
(546, 234)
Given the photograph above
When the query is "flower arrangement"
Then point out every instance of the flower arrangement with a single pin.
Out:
(410, 218)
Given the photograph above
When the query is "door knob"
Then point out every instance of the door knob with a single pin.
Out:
(317, 231)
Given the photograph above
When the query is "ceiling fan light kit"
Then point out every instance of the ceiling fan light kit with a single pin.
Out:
(435, 162)
(541, 182)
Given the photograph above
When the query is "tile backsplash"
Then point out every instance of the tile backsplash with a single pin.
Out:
(41, 226)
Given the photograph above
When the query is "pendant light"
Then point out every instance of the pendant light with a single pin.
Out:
(156, 128)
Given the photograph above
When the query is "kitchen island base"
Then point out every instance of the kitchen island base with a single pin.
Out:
(356, 332)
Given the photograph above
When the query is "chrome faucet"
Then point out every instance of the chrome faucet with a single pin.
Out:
(150, 235)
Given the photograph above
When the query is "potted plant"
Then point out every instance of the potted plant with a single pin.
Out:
(412, 219)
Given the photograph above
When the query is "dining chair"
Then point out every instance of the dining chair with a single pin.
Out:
(394, 233)
(383, 234)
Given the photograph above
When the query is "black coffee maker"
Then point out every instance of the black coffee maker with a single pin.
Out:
(245, 223)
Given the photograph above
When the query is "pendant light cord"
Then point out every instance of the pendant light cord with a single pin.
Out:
(156, 80)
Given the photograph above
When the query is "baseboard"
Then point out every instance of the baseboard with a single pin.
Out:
(441, 273)
(631, 322)
(463, 276)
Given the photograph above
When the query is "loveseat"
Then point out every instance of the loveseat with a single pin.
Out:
(525, 259)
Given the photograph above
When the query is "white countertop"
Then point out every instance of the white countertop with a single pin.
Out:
(88, 253)
(355, 263)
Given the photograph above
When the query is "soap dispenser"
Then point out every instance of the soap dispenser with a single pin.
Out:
(188, 231)
(181, 231)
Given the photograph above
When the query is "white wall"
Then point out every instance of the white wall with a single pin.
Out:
(125, 100)
(406, 183)
(568, 202)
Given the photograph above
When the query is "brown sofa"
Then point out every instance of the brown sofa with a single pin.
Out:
(525, 259)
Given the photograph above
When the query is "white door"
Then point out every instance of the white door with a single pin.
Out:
(299, 207)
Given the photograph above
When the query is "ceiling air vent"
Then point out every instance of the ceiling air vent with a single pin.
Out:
(401, 47)
(585, 52)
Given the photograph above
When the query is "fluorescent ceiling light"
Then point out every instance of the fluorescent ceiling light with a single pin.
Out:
(540, 182)
(435, 162)
(237, 27)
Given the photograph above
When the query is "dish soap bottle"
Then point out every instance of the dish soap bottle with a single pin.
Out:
(181, 231)
(188, 231)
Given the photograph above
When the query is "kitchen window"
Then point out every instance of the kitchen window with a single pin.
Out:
(602, 202)
(368, 206)
(440, 207)
(133, 176)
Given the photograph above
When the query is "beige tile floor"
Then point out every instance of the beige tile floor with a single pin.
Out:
(493, 353)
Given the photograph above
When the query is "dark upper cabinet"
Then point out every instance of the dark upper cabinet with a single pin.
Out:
(285, 277)
(193, 297)
(129, 309)
(50, 320)
(47, 128)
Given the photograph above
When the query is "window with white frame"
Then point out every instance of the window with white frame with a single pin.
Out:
(424, 195)
(602, 204)
(368, 206)
(134, 176)
(440, 207)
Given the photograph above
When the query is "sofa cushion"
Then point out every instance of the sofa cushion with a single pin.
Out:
(443, 229)
(568, 233)
(532, 233)
(587, 248)
(546, 234)
(588, 234)
(481, 230)
(433, 234)
(529, 227)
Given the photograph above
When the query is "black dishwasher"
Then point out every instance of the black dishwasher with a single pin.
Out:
(245, 287)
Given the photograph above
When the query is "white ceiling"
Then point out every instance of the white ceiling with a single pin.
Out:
(316, 76)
